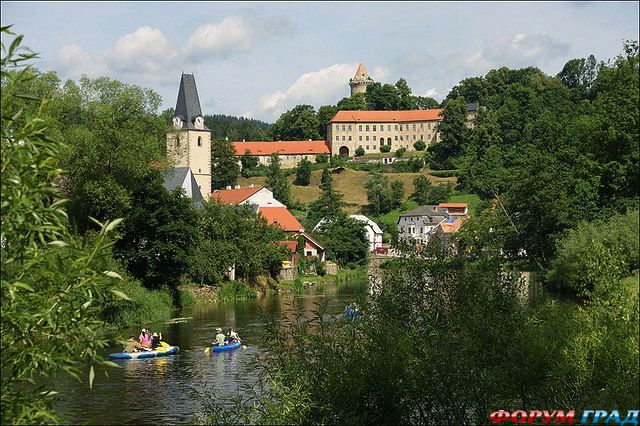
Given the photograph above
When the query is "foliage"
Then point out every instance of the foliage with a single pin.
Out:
(298, 124)
(420, 145)
(325, 113)
(234, 236)
(385, 148)
(224, 165)
(360, 151)
(233, 290)
(278, 182)
(234, 128)
(354, 103)
(248, 162)
(380, 193)
(345, 240)
(426, 193)
(591, 245)
(303, 172)
(159, 233)
(412, 165)
(400, 152)
(52, 283)
(322, 158)
(143, 306)
(454, 135)
(330, 201)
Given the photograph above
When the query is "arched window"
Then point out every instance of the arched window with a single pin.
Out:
(199, 140)
(177, 141)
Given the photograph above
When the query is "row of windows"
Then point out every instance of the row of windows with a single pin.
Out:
(374, 127)
(366, 138)
(382, 143)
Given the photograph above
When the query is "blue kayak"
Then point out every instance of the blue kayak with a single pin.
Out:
(227, 347)
(171, 350)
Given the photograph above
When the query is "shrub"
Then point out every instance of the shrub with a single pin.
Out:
(322, 158)
(420, 145)
(235, 290)
(145, 305)
(385, 148)
(400, 152)
(359, 151)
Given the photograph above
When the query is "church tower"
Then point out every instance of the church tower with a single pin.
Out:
(360, 81)
(189, 144)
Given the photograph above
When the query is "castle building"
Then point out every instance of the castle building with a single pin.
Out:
(290, 152)
(349, 130)
(360, 81)
(189, 143)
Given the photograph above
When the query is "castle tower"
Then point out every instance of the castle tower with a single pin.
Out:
(189, 144)
(360, 81)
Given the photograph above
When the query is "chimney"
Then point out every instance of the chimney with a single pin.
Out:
(243, 140)
(227, 187)
(309, 140)
(237, 187)
(251, 186)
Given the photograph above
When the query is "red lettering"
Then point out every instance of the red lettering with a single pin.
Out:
(533, 415)
(547, 416)
(562, 418)
(499, 416)
(519, 416)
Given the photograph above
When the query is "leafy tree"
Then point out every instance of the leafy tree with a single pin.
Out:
(325, 114)
(322, 158)
(303, 173)
(278, 182)
(234, 128)
(248, 162)
(422, 188)
(382, 97)
(385, 148)
(330, 201)
(454, 135)
(360, 151)
(298, 124)
(159, 233)
(382, 195)
(420, 145)
(397, 193)
(580, 74)
(345, 240)
(356, 102)
(53, 285)
(400, 152)
(224, 164)
(425, 102)
(406, 100)
(472, 89)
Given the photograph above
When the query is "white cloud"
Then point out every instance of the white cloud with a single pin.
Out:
(431, 93)
(73, 61)
(520, 50)
(144, 51)
(380, 73)
(229, 36)
(326, 85)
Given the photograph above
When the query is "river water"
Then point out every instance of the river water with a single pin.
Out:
(162, 390)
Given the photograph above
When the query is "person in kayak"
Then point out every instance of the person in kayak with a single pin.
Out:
(155, 340)
(219, 338)
(132, 345)
(232, 336)
(144, 338)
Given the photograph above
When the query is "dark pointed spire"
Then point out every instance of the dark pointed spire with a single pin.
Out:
(188, 104)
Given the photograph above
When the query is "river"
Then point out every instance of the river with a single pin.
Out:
(162, 390)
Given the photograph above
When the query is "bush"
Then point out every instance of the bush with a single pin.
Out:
(235, 290)
(400, 152)
(144, 307)
(420, 145)
(385, 148)
(303, 173)
(359, 151)
(322, 158)
(445, 173)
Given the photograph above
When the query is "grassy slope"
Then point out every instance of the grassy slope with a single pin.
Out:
(350, 183)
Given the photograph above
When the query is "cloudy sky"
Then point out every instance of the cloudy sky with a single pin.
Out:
(259, 59)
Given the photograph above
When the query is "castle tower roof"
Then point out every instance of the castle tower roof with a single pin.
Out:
(188, 103)
(361, 73)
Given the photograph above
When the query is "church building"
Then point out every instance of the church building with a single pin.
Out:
(189, 143)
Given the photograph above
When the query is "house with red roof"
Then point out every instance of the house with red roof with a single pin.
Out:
(290, 152)
(281, 217)
(455, 209)
(252, 195)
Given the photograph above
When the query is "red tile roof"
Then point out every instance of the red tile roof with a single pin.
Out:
(291, 245)
(281, 147)
(281, 217)
(458, 205)
(234, 196)
(387, 116)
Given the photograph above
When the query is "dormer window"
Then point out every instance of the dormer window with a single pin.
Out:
(199, 122)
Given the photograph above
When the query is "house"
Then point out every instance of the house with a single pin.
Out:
(290, 264)
(182, 177)
(374, 233)
(446, 229)
(455, 209)
(312, 247)
(281, 217)
(256, 195)
(289, 152)
(419, 224)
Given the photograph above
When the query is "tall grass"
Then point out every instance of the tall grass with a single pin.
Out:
(236, 290)
(145, 305)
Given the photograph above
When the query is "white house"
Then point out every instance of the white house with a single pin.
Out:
(256, 195)
(374, 233)
(419, 224)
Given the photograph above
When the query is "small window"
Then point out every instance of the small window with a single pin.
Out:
(343, 139)
(349, 127)
(367, 138)
(374, 147)
(421, 126)
(360, 138)
(366, 127)
(396, 137)
(367, 147)
(401, 127)
(199, 170)
(199, 140)
(349, 137)
(360, 127)
(374, 127)
(389, 128)
(343, 127)
(414, 126)
(177, 141)
(337, 137)
(309, 253)
(396, 127)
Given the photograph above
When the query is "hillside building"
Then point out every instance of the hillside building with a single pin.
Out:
(290, 152)
(360, 80)
(253, 195)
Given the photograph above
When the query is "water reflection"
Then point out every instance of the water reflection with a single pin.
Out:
(159, 389)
